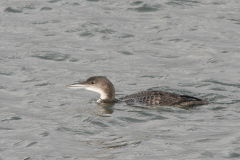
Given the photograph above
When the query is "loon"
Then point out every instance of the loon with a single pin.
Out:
(106, 89)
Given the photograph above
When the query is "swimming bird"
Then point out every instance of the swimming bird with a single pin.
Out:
(106, 90)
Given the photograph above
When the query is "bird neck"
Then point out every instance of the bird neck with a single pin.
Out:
(108, 93)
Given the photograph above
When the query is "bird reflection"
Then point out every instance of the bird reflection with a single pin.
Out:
(104, 108)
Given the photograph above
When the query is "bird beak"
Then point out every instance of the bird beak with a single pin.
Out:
(76, 86)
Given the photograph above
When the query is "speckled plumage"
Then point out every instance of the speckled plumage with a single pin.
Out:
(161, 98)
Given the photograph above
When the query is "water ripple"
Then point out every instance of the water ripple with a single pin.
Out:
(45, 9)
(53, 56)
(222, 83)
(146, 8)
(10, 10)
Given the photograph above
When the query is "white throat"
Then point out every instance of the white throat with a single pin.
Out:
(103, 95)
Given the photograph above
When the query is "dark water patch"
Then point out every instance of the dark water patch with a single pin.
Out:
(233, 155)
(136, 3)
(193, 29)
(54, 1)
(46, 107)
(234, 20)
(26, 69)
(73, 60)
(65, 157)
(219, 117)
(86, 34)
(31, 102)
(151, 77)
(158, 117)
(143, 113)
(86, 25)
(207, 154)
(224, 52)
(222, 83)
(90, 49)
(45, 9)
(31, 80)
(126, 53)
(105, 38)
(218, 89)
(56, 21)
(42, 84)
(218, 108)
(175, 40)
(107, 31)
(115, 123)
(100, 124)
(218, 3)
(182, 3)
(52, 56)
(169, 109)
(77, 116)
(44, 134)
(220, 17)
(31, 6)
(212, 61)
(31, 144)
(71, 131)
(170, 56)
(73, 30)
(72, 4)
(136, 143)
(43, 22)
(15, 118)
(212, 98)
(5, 128)
(64, 104)
(93, 0)
(127, 36)
(146, 8)
(236, 101)
(118, 145)
(10, 10)
(5, 74)
(75, 4)
(86, 132)
(64, 129)
(130, 120)
(114, 142)
(203, 140)
(12, 119)
(192, 129)
(50, 35)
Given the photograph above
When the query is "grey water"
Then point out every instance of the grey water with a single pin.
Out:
(189, 47)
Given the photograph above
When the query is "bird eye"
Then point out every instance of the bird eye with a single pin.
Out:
(93, 82)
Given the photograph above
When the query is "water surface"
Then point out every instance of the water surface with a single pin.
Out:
(180, 46)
